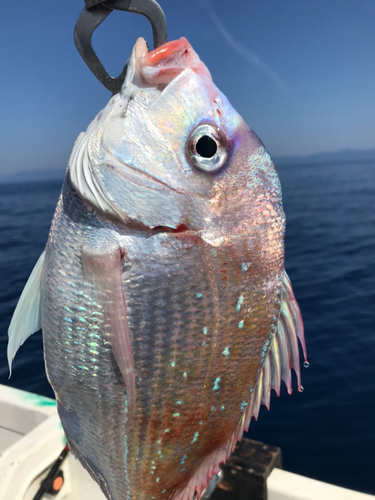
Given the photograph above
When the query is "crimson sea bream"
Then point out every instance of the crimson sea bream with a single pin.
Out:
(166, 312)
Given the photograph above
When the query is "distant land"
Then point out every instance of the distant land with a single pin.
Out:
(33, 176)
(344, 156)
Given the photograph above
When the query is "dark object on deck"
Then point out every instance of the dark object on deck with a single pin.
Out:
(49, 485)
(247, 470)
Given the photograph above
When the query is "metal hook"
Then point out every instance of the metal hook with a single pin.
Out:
(94, 14)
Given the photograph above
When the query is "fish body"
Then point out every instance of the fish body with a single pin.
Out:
(166, 312)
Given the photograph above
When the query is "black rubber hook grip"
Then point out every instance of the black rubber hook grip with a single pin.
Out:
(95, 13)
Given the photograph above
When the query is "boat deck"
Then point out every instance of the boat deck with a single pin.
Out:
(20, 412)
(8, 437)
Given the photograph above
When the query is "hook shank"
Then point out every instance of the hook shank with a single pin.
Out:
(95, 13)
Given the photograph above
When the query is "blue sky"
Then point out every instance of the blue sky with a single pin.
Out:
(301, 72)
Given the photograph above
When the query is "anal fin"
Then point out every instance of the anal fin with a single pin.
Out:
(26, 318)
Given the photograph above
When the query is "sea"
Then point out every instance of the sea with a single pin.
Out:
(327, 432)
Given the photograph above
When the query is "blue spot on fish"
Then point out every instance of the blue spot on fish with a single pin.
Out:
(243, 405)
(239, 303)
(216, 384)
(199, 295)
(226, 351)
(240, 324)
(196, 435)
(183, 459)
(205, 330)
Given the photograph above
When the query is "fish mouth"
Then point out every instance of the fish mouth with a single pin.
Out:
(164, 64)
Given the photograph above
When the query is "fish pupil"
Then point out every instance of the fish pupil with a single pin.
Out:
(206, 147)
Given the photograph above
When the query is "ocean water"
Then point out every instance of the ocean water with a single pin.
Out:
(328, 431)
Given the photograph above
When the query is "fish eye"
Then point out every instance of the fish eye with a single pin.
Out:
(207, 148)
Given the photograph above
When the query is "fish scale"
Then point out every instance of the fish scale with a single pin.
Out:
(167, 315)
(97, 410)
(193, 327)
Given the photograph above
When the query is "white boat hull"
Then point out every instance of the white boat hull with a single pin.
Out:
(31, 439)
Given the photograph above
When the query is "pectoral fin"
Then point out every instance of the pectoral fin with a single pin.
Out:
(102, 272)
(26, 318)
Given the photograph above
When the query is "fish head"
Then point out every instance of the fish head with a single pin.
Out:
(169, 151)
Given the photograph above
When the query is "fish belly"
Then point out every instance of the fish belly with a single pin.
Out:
(200, 318)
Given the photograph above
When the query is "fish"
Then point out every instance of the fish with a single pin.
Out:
(166, 311)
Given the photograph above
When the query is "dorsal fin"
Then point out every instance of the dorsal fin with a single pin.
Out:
(282, 357)
(26, 318)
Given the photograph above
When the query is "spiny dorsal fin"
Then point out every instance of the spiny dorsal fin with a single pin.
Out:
(26, 318)
(282, 357)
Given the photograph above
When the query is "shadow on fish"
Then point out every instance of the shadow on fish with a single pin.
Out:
(166, 312)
